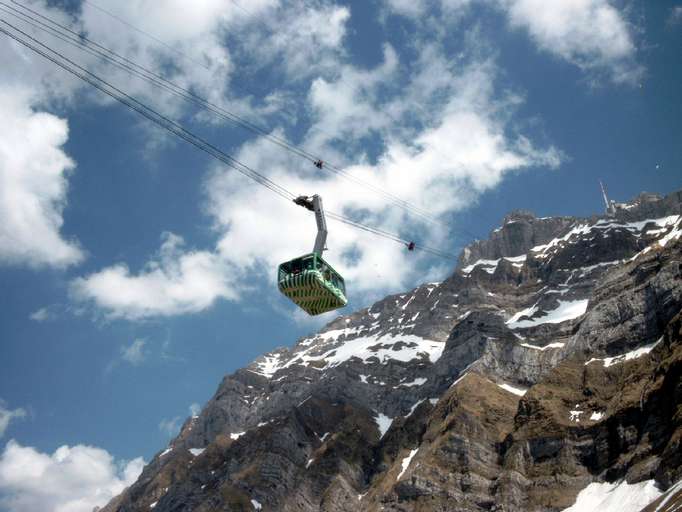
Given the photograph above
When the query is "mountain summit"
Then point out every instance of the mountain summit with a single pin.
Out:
(543, 374)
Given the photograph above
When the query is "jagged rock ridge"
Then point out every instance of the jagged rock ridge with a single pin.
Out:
(549, 360)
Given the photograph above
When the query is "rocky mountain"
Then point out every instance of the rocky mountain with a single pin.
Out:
(543, 374)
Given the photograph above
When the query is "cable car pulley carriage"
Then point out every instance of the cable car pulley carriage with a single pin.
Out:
(309, 281)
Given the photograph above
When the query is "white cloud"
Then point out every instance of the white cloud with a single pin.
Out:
(592, 34)
(33, 167)
(134, 354)
(302, 38)
(41, 315)
(177, 281)
(7, 415)
(72, 479)
(194, 409)
(33, 185)
(348, 107)
(170, 427)
(464, 145)
(467, 151)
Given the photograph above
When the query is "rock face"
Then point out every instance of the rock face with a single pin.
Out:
(549, 360)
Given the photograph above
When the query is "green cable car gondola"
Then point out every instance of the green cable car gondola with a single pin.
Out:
(309, 281)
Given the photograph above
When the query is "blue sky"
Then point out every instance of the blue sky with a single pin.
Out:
(136, 271)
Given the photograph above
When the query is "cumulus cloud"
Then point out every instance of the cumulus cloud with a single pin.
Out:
(592, 34)
(34, 169)
(467, 151)
(347, 107)
(458, 143)
(300, 38)
(8, 415)
(185, 45)
(33, 185)
(177, 281)
(463, 145)
(72, 479)
(134, 353)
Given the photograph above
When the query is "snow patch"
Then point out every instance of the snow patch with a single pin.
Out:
(196, 451)
(404, 306)
(406, 463)
(596, 416)
(457, 380)
(488, 265)
(413, 408)
(268, 366)
(256, 505)
(575, 416)
(668, 495)
(512, 389)
(237, 435)
(586, 270)
(363, 378)
(567, 310)
(628, 356)
(166, 452)
(558, 344)
(491, 265)
(323, 437)
(416, 382)
(152, 505)
(615, 497)
(384, 423)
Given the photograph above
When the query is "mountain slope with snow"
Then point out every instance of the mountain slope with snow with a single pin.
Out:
(545, 369)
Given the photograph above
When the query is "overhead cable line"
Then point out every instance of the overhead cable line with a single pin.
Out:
(173, 127)
(81, 42)
(128, 65)
(142, 109)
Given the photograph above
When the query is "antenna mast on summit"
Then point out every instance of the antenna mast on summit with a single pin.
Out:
(607, 203)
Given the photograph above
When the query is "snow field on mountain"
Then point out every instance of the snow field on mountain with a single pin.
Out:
(567, 310)
(403, 348)
(663, 223)
(616, 497)
(491, 265)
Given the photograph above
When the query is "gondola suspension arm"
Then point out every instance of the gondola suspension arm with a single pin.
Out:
(314, 204)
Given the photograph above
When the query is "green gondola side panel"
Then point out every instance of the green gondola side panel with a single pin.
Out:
(309, 289)
(312, 293)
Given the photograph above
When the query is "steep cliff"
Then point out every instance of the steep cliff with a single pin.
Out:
(545, 368)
